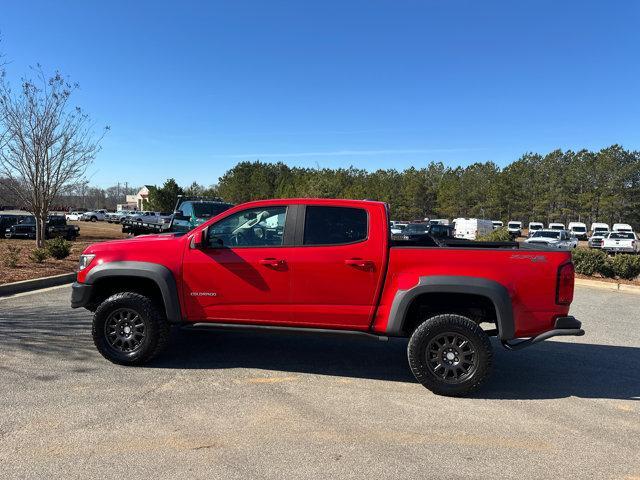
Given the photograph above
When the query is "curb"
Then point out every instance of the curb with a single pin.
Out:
(36, 284)
(622, 287)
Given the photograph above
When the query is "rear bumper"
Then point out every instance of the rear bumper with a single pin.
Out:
(564, 326)
(619, 249)
(80, 294)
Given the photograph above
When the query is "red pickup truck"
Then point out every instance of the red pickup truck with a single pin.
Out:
(328, 266)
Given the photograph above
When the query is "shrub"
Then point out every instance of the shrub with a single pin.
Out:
(59, 248)
(39, 255)
(12, 254)
(588, 262)
(626, 266)
(607, 269)
(498, 235)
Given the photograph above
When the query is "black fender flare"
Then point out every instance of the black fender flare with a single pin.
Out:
(159, 274)
(494, 291)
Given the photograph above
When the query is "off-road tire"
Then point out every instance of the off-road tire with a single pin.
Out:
(156, 328)
(435, 330)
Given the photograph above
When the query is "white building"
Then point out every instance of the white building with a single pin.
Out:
(137, 201)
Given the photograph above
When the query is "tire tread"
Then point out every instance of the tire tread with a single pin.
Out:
(159, 327)
(439, 324)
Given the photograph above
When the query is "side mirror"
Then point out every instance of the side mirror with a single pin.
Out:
(199, 241)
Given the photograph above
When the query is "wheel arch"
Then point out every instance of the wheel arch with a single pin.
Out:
(495, 293)
(138, 276)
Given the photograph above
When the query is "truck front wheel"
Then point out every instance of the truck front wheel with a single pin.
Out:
(128, 329)
(450, 355)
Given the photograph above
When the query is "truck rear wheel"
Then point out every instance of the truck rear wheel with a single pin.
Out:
(450, 355)
(128, 329)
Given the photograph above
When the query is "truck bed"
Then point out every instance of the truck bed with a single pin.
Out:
(429, 241)
(528, 273)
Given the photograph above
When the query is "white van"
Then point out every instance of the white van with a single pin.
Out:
(515, 228)
(622, 227)
(534, 227)
(599, 227)
(556, 226)
(472, 228)
(497, 224)
(579, 229)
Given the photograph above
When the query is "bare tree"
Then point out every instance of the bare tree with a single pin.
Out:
(45, 144)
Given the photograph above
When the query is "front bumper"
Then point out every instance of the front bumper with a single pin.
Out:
(80, 294)
(563, 326)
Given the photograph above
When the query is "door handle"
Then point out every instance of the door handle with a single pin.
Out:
(359, 263)
(271, 262)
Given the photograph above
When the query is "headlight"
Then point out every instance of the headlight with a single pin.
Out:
(85, 260)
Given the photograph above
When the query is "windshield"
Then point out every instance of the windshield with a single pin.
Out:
(546, 234)
(207, 210)
(622, 235)
(514, 225)
(556, 227)
(535, 227)
(416, 228)
(579, 229)
(29, 221)
(602, 233)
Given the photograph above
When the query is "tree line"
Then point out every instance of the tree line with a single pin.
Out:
(559, 186)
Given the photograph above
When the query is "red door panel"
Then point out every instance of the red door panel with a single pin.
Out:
(243, 275)
(336, 286)
(243, 284)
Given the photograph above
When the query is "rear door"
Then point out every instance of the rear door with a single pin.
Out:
(337, 265)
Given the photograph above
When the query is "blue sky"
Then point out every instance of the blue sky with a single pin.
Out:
(191, 88)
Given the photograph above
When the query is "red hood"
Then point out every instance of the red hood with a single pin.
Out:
(134, 244)
(162, 249)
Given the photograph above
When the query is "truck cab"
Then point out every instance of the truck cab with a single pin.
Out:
(189, 213)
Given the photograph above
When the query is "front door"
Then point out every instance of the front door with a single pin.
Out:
(243, 273)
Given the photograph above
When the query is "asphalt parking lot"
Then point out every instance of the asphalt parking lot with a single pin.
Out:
(245, 405)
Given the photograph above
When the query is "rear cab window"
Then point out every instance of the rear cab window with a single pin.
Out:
(325, 225)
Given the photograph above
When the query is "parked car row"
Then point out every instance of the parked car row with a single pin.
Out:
(578, 229)
(472, 228)
(24, 226)
(120, 216)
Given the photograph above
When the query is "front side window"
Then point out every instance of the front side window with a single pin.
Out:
(255, 227)
(334, 225)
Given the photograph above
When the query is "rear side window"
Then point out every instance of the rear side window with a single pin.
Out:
(334, 225)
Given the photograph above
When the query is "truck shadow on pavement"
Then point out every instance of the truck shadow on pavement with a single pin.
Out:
(547, 370)
(550, 369)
